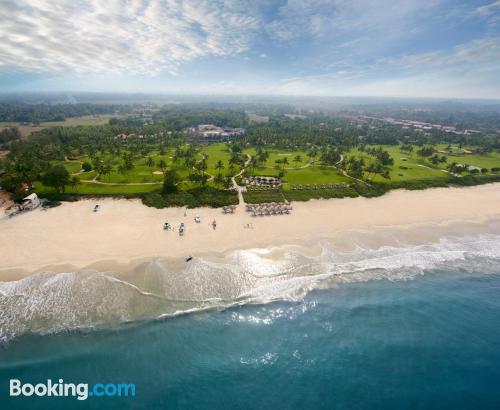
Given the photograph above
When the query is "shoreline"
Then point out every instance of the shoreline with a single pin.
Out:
(125, 232)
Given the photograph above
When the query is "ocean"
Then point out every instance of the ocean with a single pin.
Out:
(392, 327)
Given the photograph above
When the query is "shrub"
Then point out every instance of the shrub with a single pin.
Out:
(192, 198)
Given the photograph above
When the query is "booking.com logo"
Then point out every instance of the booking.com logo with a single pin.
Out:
(82, 391)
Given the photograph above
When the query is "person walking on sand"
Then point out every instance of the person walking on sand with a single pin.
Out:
(214, 224)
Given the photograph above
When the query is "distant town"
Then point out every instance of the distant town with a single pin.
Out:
(418, 126)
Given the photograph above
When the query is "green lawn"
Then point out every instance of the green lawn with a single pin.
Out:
(489, 160)
(72, 166)
(315, 174)
(408, 167)
(275, 154)
(216, 153)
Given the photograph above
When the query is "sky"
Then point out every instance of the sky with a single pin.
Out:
(407, 48)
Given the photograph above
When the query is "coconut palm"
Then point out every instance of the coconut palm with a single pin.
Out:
(219, 166)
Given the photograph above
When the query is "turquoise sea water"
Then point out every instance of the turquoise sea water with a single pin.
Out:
(429, 343)
(400, 326)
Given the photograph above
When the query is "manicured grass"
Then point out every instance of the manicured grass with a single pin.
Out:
(410, 171)
(407, 166)
(72, 166)
(489, 160)
(216, 152)
(86, 176)
(420, 168)
(275, 154)
(315, 174)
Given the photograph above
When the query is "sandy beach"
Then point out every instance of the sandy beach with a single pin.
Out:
(71, 236)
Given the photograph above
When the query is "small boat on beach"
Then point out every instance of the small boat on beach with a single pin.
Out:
(189, 258)
(181, 229)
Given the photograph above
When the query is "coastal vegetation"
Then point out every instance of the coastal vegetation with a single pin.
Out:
(147, 154)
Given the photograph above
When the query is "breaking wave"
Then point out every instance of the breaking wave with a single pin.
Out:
(51, 302)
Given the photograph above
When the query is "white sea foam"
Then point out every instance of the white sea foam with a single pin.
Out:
(50, 302)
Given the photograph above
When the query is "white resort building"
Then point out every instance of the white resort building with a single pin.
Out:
(210, 133)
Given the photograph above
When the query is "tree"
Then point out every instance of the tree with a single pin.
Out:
(407, 148)
(219, 166)
(107, 168)
(426, 151)
(170, 181)
(253, 162)
(262, 155)
(219, 179)
(228, 182)
(162, 164)
(297, 158)
(87, 166)
(56, 177)
(74, 182)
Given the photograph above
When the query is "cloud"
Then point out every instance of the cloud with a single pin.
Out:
(142, 37)
(488, 9)
(468, 70)
(340, 20)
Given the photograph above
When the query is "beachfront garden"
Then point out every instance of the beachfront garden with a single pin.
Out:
(305, 160)
(205, 172)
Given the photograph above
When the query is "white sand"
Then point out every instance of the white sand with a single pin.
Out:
(125, 230)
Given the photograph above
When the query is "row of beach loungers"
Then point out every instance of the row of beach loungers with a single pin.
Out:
(262, 187)
(318, 186)
(228, 209)
(272, 208)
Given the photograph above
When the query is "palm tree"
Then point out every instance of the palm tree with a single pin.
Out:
(253, 163)
(162, 164)
(219, 166)
(74, 182)
(219, 178)
(106, 169)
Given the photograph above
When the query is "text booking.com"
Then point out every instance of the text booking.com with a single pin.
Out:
(80, 391)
